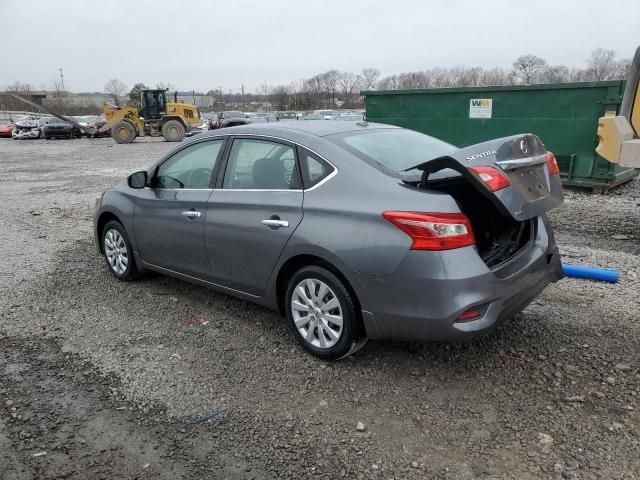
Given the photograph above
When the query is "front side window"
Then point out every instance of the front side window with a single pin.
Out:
(189, 168)
(261, 165)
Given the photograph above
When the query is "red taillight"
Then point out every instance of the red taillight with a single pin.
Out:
(493, 178)
(552, 164)
(433, 231)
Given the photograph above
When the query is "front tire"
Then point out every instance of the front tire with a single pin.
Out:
(322, 314)
(123, 132)
(118, 252)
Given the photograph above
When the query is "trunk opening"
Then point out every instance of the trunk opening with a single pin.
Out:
(498, 237)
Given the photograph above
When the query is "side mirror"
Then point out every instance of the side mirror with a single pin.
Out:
(138, 179)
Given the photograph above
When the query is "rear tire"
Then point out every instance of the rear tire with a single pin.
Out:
(322, 314)
(123, 132)
(118, 252)
(173, 131)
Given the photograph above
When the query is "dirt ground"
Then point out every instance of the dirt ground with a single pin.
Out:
(103, 379)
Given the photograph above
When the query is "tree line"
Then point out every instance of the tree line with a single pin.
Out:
(341, 89)
(324, 89)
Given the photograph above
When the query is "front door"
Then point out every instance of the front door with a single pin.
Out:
(169, 216)
(251, 217)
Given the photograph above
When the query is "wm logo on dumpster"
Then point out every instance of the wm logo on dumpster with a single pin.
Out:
(480, 107)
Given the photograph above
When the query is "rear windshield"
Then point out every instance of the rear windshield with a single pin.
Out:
(393, 150)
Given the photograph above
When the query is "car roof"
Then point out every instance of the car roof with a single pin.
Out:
(317, 128)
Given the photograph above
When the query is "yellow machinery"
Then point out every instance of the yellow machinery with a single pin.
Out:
(154, 118)
(619, 136)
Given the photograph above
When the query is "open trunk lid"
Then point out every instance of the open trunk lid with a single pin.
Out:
(522, 158)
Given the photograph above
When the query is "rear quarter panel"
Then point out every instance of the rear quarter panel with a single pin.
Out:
(344, 215)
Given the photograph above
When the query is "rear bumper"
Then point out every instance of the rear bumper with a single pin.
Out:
(424, 297)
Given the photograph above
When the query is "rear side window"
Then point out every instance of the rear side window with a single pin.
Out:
(314, 169)
(261, 165)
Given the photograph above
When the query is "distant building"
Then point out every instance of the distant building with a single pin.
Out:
(7, 102)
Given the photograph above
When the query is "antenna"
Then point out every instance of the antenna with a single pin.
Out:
(61, 79)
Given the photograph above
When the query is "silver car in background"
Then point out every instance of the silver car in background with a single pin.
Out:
(354, 231)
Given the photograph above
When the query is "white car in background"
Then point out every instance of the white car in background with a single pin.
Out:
(327, 114)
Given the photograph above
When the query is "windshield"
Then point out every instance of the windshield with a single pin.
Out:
(394, 149)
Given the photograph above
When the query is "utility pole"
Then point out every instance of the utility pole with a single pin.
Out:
(62, 79)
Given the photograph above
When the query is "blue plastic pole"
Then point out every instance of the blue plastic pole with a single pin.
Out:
(591, 273)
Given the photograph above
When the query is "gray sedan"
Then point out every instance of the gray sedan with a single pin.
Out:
(354, 231)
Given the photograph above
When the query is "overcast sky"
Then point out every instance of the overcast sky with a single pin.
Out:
(204, 45)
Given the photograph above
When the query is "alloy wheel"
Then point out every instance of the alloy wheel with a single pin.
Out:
(115, 249)
(317, 313)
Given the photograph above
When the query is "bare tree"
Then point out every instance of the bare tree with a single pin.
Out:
(622, 70)
(601, 65)
(349, 85)
(330, 81)
(556, 74)
(280, 97)
(528, 68)
(116, 89)
(59, 96)
(263, 91)
(440, 77)
(495, 76)
(370, 78)
(387, 83)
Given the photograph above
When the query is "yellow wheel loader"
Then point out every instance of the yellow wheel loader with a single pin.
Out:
(154, 118)
(619, 136)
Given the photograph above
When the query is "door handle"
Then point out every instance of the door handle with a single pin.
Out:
(272, 223)
(191, 214)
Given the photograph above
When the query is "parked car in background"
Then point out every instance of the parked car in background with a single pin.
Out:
(203, 127)
(229, 118)
(327, 114)
(400, 235)
(26, 127)
(6, 129)
(232, 114)
(57, 128)
(232, 118)
(313, 116)
(351, 116)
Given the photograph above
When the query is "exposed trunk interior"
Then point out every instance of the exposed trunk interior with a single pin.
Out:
(498, 237)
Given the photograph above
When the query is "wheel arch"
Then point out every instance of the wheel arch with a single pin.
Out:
(295, 263)
(104, 218)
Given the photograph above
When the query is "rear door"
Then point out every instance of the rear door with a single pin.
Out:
(532, 188)
(253, 211)
(169, 216)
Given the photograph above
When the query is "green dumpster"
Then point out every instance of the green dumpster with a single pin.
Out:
(564, 115)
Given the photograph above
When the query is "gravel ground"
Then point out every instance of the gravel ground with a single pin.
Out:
(102, 379)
